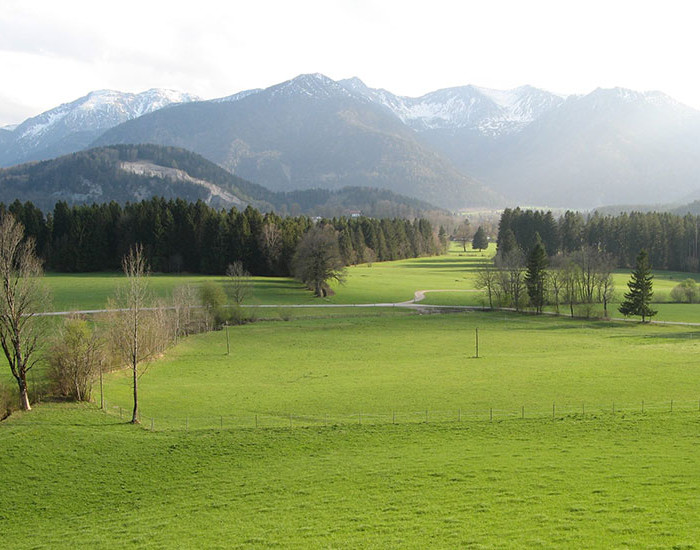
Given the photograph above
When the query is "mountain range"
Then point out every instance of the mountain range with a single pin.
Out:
(74, 126)
(458, 147)
(129, 173)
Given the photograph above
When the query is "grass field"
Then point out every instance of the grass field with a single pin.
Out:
(412, 363)
(379, 283)
(81, 478)
(391, 443)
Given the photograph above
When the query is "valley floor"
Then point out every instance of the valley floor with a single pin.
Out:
(564, 433)
(70, 473)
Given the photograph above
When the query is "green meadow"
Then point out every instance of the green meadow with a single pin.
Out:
(72, 476)
(399, 365)
(358, 427)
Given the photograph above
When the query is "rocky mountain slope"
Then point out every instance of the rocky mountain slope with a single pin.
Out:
(73, 126)
(309, 132)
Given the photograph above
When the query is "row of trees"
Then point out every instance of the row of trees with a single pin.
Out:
(671, 241)
(193, 237)
(578, 280)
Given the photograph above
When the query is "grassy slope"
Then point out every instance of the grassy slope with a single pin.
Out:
(80, 477)
(412, 363)
(76, 475)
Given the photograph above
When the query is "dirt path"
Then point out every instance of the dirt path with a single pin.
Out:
(418, 296)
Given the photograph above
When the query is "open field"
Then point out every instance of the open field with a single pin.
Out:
(399, 437)
(78, 475)
(379, 283)
(413, 363)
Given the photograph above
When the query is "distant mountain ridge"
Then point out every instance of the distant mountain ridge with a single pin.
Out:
(309, 132)
(73, 126)
(456, 147)
(131, 173)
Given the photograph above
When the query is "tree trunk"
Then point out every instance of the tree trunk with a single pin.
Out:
(135, 415)
(23, 395)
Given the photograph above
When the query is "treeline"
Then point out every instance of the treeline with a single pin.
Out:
(579, 280)
(182, 236)
(670, 240)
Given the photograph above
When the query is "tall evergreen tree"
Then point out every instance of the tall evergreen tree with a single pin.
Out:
(638, 298)
(480, 240)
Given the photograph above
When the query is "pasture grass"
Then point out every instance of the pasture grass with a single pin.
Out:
(81, 478)
(411, 363)
(73, 476)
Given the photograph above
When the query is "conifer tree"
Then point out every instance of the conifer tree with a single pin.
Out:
(638, 298)
(480, 240)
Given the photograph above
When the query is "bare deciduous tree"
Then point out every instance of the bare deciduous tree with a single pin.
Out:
(271, 243)
(487, 279)
(128, 328)
(188, 316)
(75, 361)
(511, 266)
(22, 296)
(317, 260)
(240, 284)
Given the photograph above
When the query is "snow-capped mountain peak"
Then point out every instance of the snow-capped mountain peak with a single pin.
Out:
(100, 109)
(485, 110)
(314, 85)
(73, 125)
(237, 96)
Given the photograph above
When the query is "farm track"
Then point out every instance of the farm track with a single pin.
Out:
(418, 296)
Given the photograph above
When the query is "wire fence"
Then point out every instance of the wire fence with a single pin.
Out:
(553, 412)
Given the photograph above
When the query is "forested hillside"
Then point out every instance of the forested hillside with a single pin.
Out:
(130, 173)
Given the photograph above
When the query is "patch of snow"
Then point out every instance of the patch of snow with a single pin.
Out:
(98, 110)
(236, 97)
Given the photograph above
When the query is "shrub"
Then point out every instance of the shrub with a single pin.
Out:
(686, 291)
(213, 299)
(74, 361)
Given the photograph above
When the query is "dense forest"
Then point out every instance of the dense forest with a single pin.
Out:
(671, 240)
(181, 236)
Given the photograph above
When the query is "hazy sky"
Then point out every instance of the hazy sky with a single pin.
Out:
(55, 51)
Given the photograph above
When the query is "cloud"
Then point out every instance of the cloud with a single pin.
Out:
(14, 112)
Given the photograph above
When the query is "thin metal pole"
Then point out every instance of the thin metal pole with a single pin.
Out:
(228, 345)
(477, 343)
